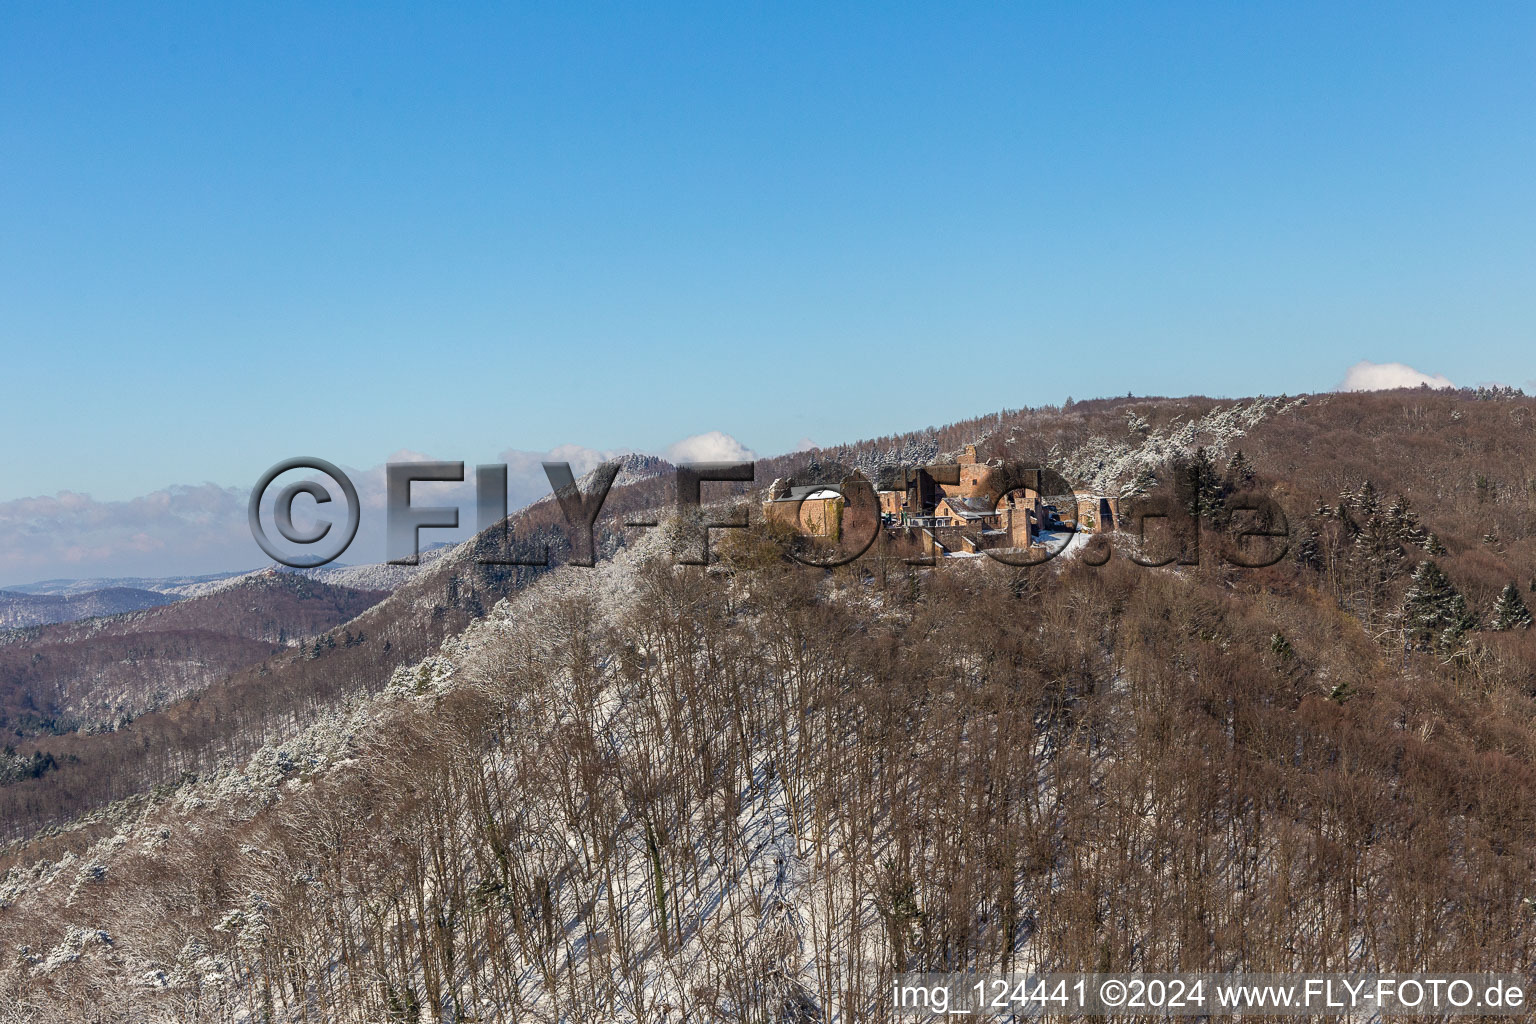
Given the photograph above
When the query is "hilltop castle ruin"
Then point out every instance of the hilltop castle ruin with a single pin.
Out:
(958, 508)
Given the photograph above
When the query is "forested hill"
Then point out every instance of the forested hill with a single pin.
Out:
(751, 790)
(99, 673)
(19, 610)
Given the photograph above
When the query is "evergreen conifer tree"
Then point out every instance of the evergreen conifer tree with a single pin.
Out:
(1239, 469)
(1308, 553)
(1366, 500)
(1509, 611)
(1404, 522)
(1433, 609)
(1204, 496)
(1144, 482)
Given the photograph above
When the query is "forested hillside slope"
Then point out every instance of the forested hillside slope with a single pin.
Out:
(751, 790)
(101, 672)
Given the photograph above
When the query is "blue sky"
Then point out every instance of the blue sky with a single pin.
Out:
(231, 236)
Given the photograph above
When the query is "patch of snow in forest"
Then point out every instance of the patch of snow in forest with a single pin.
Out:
(1105, 464)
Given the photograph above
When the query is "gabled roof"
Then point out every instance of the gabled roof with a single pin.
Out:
(970, 508)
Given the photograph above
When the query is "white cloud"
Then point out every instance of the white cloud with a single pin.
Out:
(526, 482)
(167, 532)
(712, 446)
(1368, 376)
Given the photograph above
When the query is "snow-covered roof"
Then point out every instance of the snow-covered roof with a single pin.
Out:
(970, 508)
(813, 492)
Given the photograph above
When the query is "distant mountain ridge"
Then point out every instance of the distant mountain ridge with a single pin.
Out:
(75, 587)
(19, 610)
(94, 673)
(114, 597)
(53, 601)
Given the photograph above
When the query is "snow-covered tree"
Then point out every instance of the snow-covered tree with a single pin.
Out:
(1239, 469)
(1433, 609)
(1509, 611)
(1366, 500)
(1403, 521)
(1308, 550)
(1145, 480)
(1204, 493)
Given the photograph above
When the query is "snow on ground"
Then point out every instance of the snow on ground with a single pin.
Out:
(1104, 463)
(380, 576)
